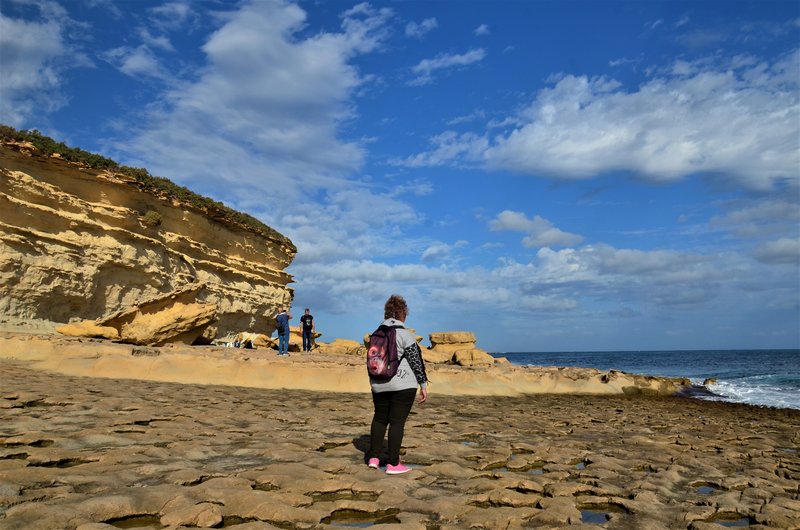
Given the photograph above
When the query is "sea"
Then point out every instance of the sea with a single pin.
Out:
(759, 377)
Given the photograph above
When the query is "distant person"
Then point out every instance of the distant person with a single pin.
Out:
(307, 322)
(282, 322)
(394, 398)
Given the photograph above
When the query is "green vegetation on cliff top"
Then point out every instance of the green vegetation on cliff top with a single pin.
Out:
(158, 186)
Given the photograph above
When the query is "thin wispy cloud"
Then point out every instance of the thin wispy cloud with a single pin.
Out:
(172, 15)
(161, 42)
(481, 30)
(425, 69)
(418, 30)
(136, 62)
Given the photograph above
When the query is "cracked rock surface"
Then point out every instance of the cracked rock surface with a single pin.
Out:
(92, 453)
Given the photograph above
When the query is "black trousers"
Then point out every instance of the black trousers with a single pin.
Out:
(391, 409)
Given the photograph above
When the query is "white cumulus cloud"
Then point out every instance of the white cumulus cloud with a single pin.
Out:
(264, 114)
(740, 121)
(705, 122)
(33, 57)
(540, 232)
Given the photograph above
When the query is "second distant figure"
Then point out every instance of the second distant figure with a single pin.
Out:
(307, 322)
(282, 323)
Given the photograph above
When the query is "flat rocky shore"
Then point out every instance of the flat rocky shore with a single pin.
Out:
(100, 453)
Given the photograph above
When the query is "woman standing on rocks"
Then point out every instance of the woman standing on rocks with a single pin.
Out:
(394, 398)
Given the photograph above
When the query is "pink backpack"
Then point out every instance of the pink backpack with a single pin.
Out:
(382, 359)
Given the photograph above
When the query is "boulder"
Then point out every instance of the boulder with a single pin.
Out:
(436, 356)
(164, 319)
(473, 357)
(447, 345)
(341, 347)
(452, 348)
(88, 328)
(180, 324)
(451, 337)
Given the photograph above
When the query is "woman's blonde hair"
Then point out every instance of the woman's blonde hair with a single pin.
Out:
(395, 307)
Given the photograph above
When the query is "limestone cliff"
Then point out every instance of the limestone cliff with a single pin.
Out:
(78, 243)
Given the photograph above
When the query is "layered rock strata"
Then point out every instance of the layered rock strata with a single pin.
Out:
(457, 347)
(81, 243)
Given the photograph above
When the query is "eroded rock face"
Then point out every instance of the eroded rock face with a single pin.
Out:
(81, 244)
(473, 357)
(451, 337)
(457, 347)
(341, 347)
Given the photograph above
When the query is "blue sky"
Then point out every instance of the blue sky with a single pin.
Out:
(552, 176)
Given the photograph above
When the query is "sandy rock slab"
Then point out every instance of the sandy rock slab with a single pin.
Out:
(91, 454)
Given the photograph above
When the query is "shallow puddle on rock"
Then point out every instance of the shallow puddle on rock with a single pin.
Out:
(580, 465)
(731, 520)
(744, 522)
(594, 517)
(361, 519)
(706, 490)
(139, 522)
(537, 471)
(600, 513)
(233, 521)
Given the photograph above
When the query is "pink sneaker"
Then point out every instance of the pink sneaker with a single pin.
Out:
(397, 470)
(374, 463)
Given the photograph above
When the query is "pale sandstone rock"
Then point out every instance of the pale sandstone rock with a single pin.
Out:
(451, 337)
(457, 347)
(436, 356)
(88, 328)
(341, 347)
(74, 245)
(452, 348)
(181, 323)
(558, 510)
(345, 373)
(473, 357)
(203, 515)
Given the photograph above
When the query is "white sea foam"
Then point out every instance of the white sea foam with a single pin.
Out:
(755, 394)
